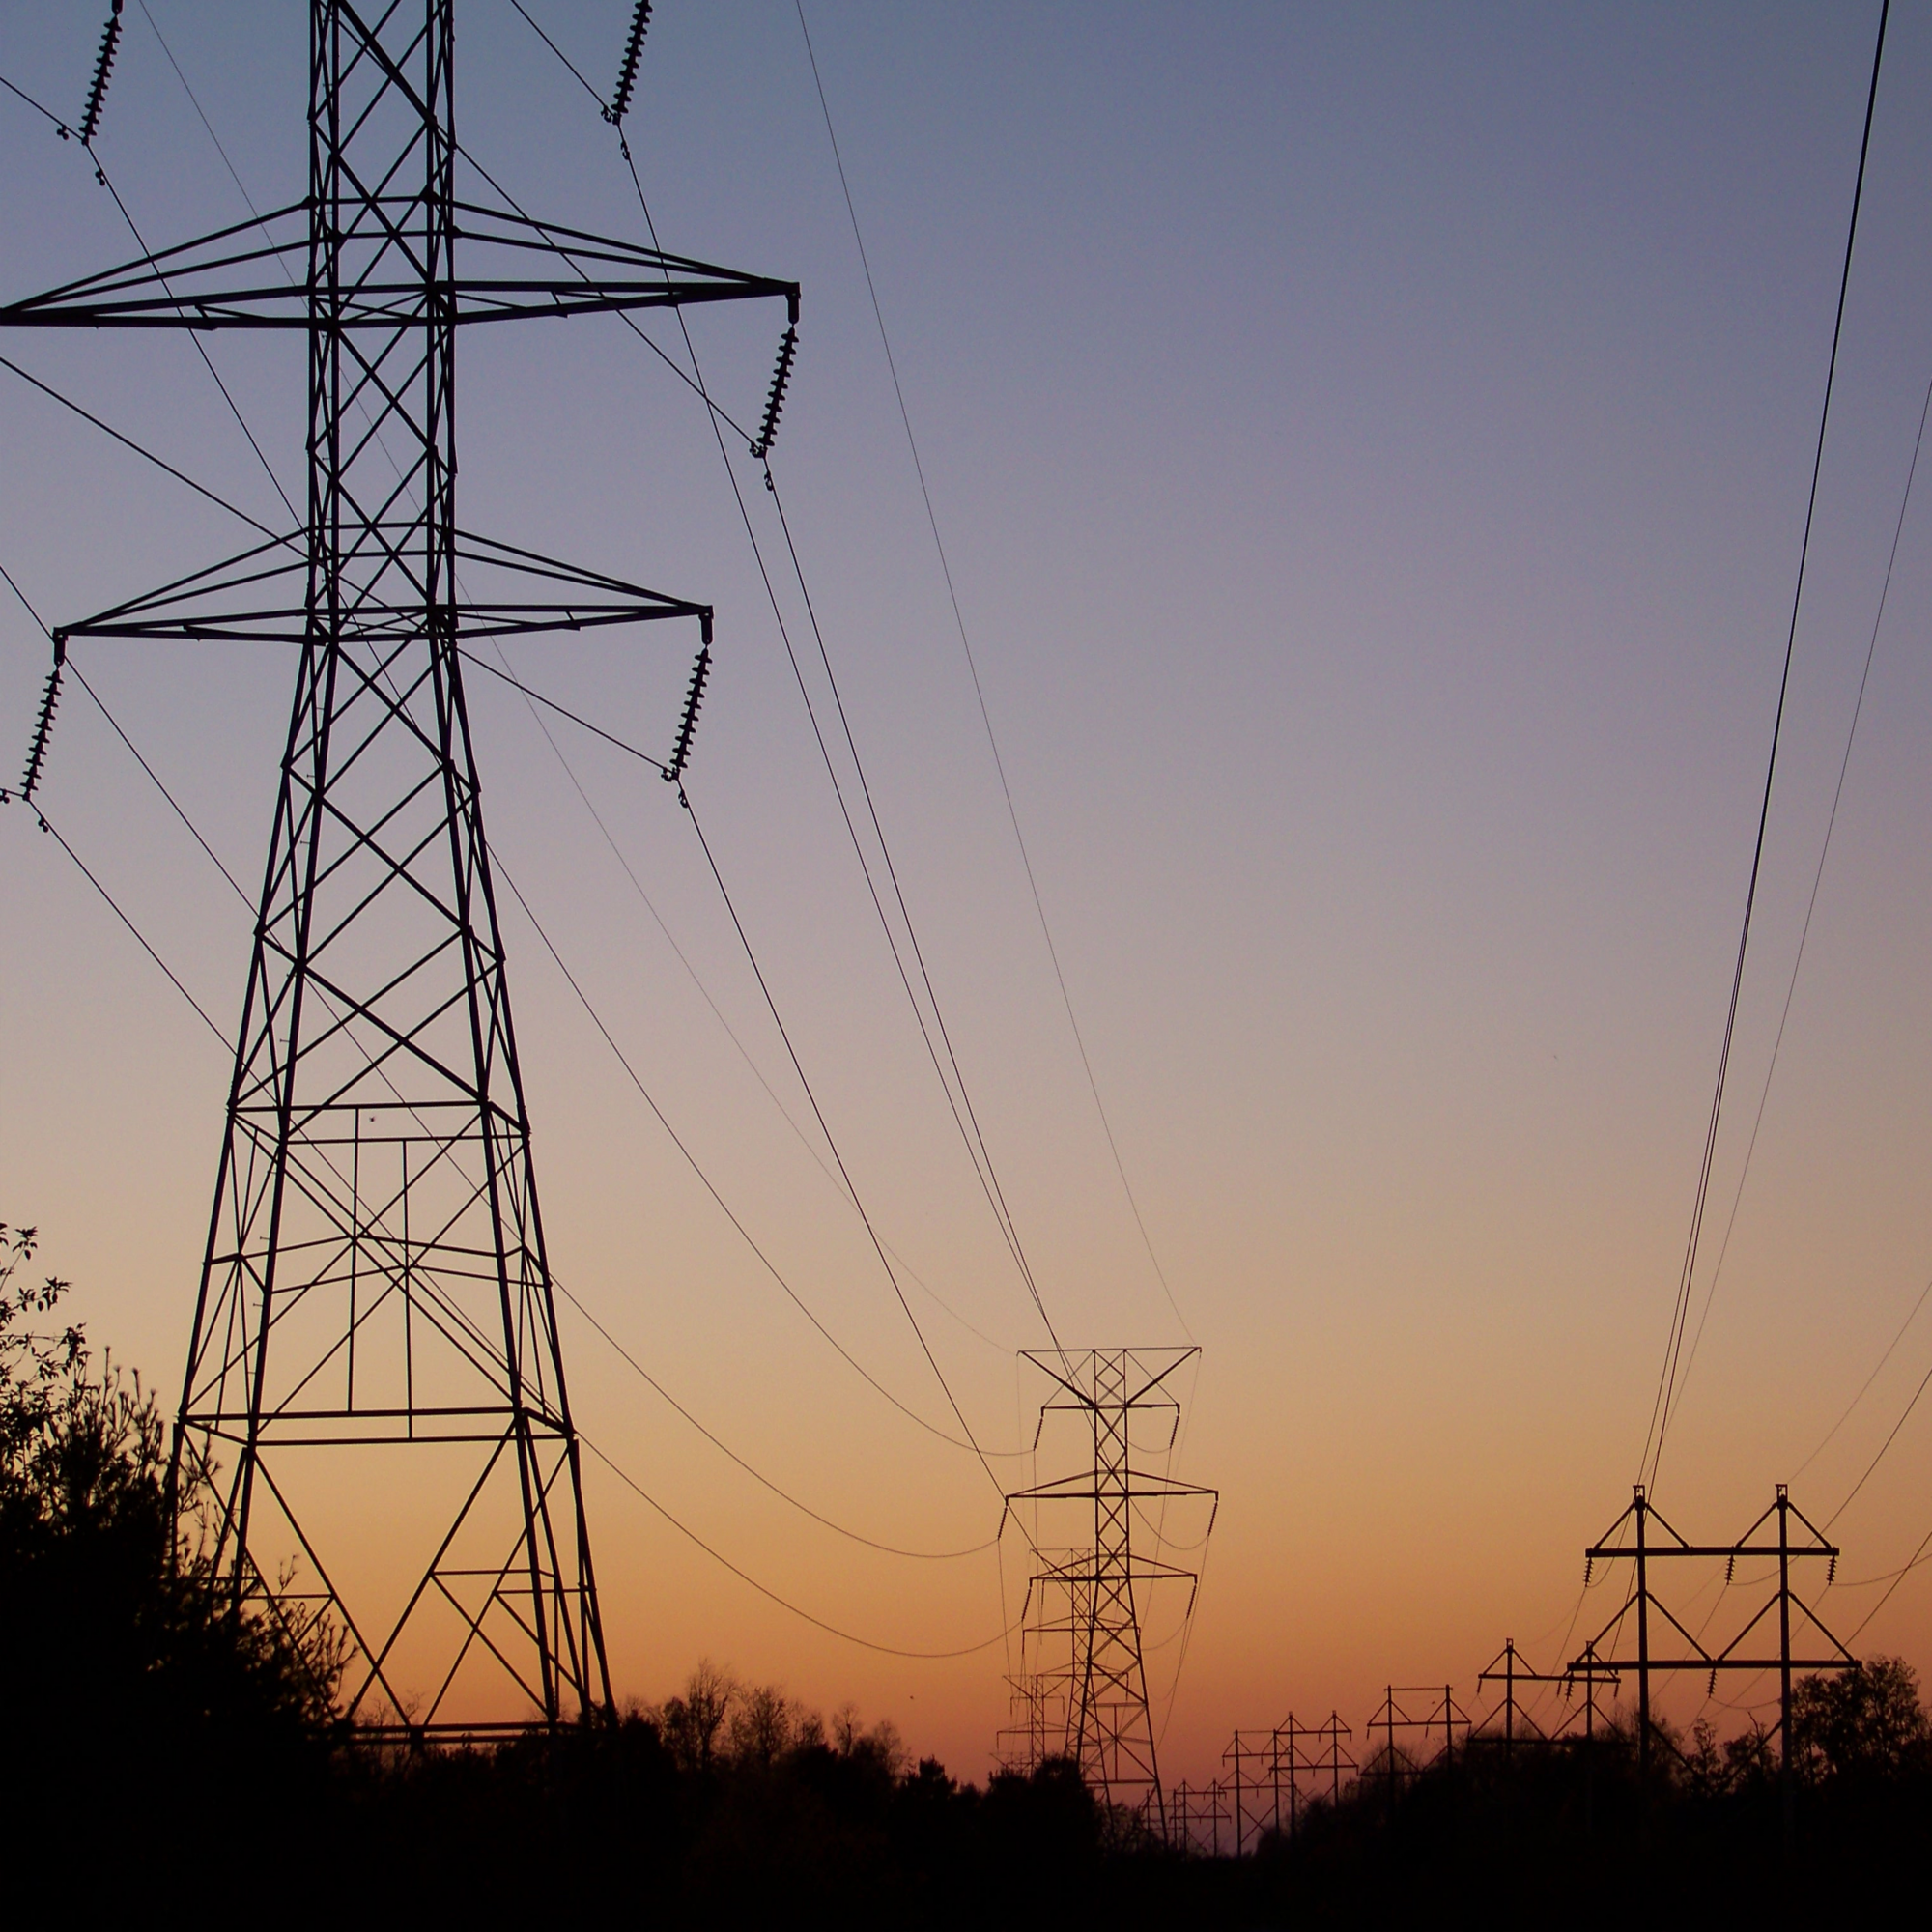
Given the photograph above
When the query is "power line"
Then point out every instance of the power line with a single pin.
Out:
(1905, 1570)
(1817, 879)
(102, 174)
(724, 1449)
(1663, 1405)
(975, 1143)
(658, 1387)
(691, 1160)
(46, 825)
(562, 711)
(1845, 1416)
(65, 132)
(630, 1482)
(784, 1602)
(979, 692)
(988, 1181)
(560, 54)
(148, 455)
(818, 1115)
(996, 1194)
(1925, 1381)
(194, 339)
(535, 697)
(155, 27)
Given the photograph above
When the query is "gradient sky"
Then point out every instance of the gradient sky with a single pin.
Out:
(1371, 448)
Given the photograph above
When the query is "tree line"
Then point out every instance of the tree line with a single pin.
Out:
(161, 1746)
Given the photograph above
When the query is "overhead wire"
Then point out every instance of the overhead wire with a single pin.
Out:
(1924, 1382)
(147, 455)
(630, 1482)
(530, 696)
(996, 1194)
(724, 1207)
(684, 1529)
(715, 414)
(1817, 879)
(713, 418)
(64, 131)
(978, 690)
(758, 1476)
(655, 1385)
(818, 1114)
(977, 1153)
(535, 697)
(46, 825)
(194, 337)
(1666, 1390)
(1924, 1293)
(975, 1143)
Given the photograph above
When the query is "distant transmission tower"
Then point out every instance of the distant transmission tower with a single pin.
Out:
(1082, 1691)
(373, 1407)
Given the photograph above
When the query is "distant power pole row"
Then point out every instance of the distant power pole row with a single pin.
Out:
(1419, 1728)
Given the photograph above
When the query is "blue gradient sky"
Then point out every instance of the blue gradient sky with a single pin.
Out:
(1371, 447)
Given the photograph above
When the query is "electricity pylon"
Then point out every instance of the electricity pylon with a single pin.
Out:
(1750, 1650)
(1082, 1659)
(373, 1412)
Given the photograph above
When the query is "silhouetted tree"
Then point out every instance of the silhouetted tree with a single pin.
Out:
(132, 1690)
(1860, 1725)
(690, 1725)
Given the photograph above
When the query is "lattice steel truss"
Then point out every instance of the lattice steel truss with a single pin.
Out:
(374, 1414)
(1082, 1690)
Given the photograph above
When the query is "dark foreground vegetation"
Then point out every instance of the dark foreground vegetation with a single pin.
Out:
(162, 1754)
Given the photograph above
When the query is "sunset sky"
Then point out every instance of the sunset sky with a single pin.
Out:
(1372, 449)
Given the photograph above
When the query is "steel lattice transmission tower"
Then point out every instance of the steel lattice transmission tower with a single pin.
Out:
(1082, 1691)
(374, 1411)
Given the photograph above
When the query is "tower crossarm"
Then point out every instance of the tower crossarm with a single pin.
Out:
(1135, 1486)
(256, 274)
(259, 596)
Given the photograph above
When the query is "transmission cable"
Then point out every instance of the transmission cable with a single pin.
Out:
(624, 316)
(657, 1386)
(47, 826)
(215, 859)
(535, 697)
(562, 711)
(64, 131)
(194, 337)
(1905, 1570)
(979, 1156)
(771, 1267)
(148, 455)
(979, 692)
(1925, 1381)
(529, 694)
(784, 1604)
(715, 414)
(1924, 1293)
(726, 1449)
(1662, 1406)
(744, 514)
(996, 1194)
(847, 1636)
(818, 1115)
(1817, 879)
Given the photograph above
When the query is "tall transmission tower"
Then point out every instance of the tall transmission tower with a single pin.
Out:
(1083, 1677)
(373, 1412)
